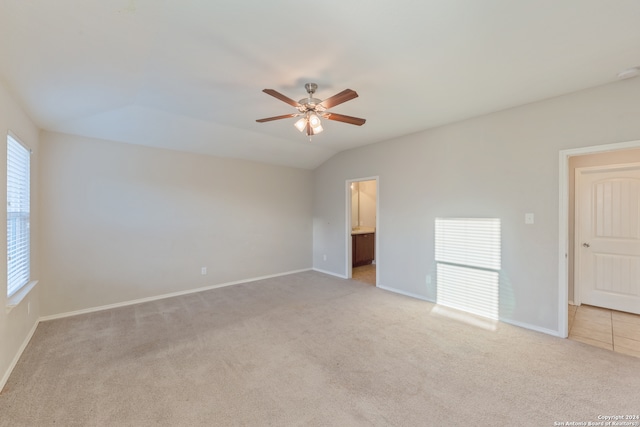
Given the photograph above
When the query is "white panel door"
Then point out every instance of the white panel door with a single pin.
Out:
(608, 237)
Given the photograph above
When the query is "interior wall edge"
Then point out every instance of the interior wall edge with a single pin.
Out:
(531, 327)
(18, 323)
(16, 358)
(330, 273)
(405, 293)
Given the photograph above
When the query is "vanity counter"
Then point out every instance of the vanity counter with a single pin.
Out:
(363, 230)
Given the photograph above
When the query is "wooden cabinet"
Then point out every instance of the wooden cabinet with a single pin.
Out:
(363, 247)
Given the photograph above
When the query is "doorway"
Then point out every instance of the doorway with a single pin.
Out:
(362, 233)
(566, 217)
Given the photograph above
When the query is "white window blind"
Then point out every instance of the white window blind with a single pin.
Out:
(474, 242)
(18, 211)
(468, 264)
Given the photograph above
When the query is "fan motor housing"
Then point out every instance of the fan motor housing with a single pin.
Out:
(309, 103)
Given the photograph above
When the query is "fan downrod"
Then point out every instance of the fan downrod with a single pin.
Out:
(310, 103)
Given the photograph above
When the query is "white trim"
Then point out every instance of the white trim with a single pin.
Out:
(614, 167)
(342, 276)
(14, 362)
(164, 296)
(15, 299)
(532, 327)
(509, 321)
(563, 226)
(19, 141)
(377, 243)
(577, 259)
(405, 293)
(348, 226)
(563, 245)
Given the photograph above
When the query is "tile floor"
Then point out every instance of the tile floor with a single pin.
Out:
(608, 329)
(365, 273)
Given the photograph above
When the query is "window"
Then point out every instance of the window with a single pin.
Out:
(18, 234)
(468, 264)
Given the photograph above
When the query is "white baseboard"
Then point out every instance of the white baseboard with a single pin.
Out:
(531, 327)
(509, 321)
(14, 362)
(163, 296)
(405, 293)
(330, 273)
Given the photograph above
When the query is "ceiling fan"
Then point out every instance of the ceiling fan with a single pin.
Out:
(311, 109)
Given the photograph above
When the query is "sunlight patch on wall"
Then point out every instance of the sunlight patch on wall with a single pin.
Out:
(468, 264)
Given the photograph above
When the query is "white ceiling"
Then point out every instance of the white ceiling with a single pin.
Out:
(188, 74)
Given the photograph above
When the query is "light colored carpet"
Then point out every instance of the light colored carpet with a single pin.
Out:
(307, 350)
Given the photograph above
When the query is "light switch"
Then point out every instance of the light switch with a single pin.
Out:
(528, 218)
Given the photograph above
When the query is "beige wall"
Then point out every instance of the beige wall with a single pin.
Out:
(363, 204)
(501, 165)
(355, 210)
(599, 159)
(17, 323)
(125, 222)
(368, 203)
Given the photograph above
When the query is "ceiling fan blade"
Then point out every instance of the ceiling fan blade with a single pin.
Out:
(281, 97)
(346, 119)
(268, 119)
(344, 96)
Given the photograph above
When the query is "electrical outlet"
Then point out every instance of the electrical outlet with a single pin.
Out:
(29, 307)
(204, 271)
(324, 257)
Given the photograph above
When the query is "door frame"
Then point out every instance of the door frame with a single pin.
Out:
(563, 225)
(348, 251)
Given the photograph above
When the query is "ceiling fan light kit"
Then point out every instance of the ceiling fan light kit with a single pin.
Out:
(309, 120)
(310, 110)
